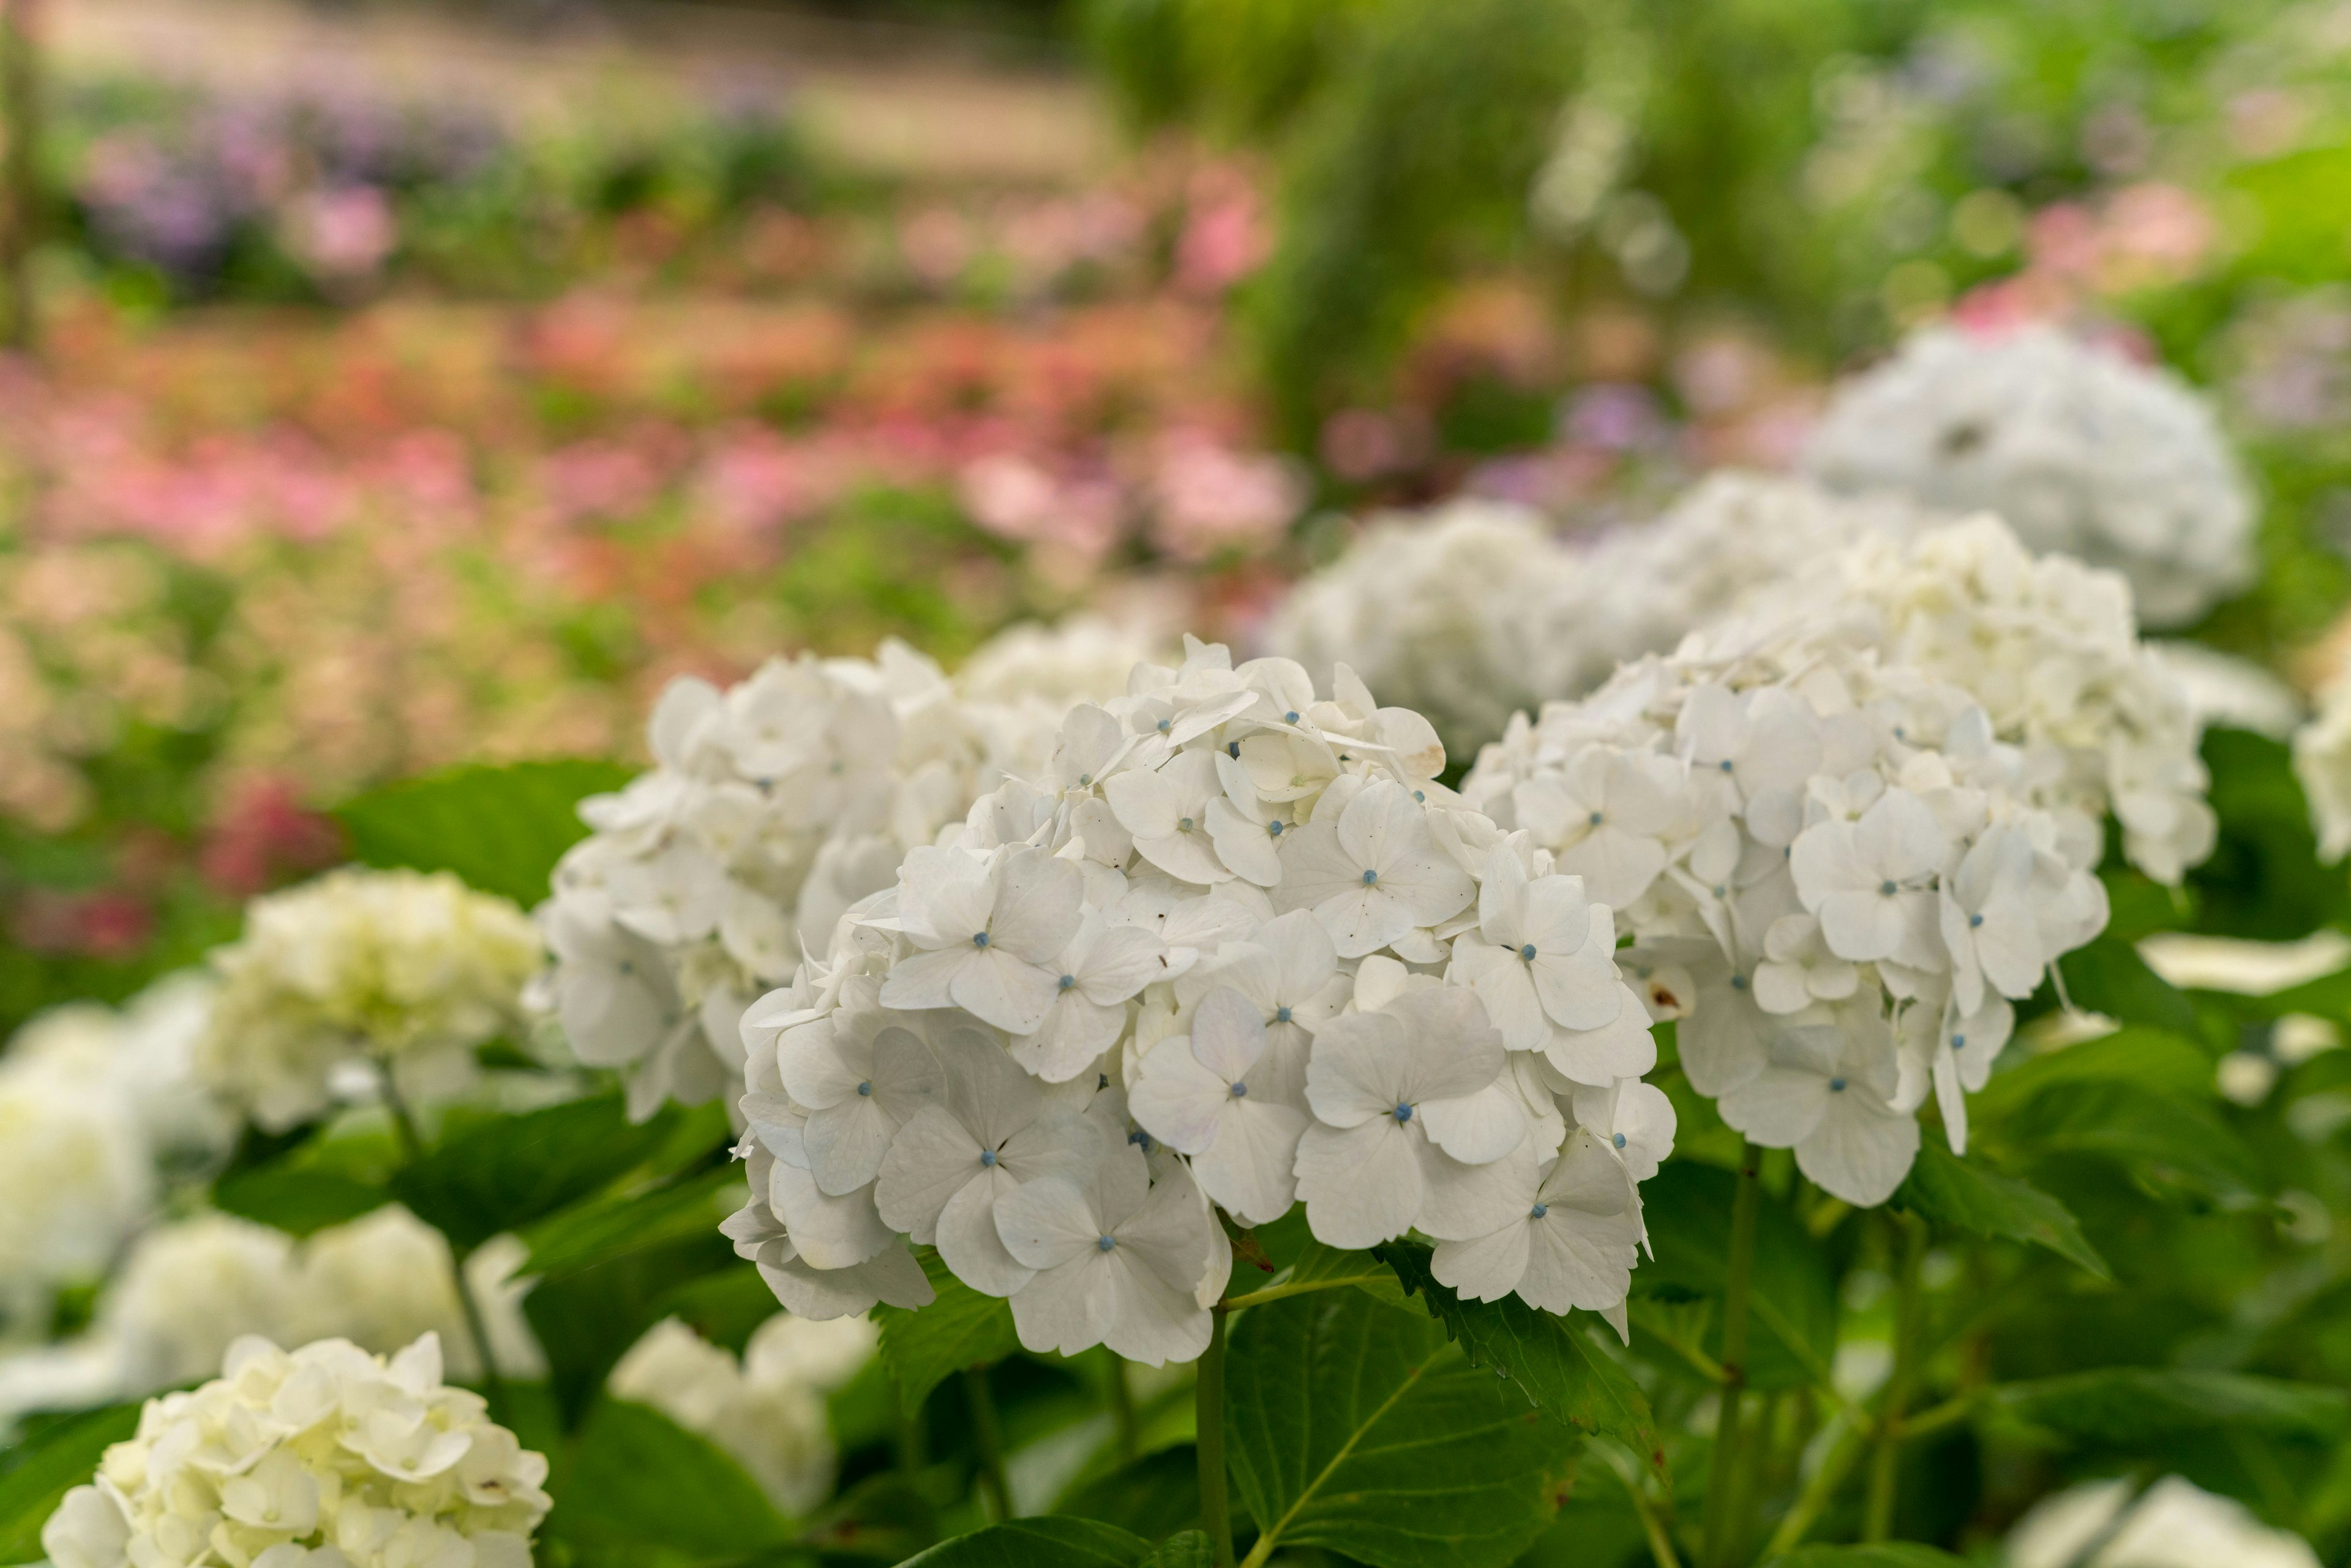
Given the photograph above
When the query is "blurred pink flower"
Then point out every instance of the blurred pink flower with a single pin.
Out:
(341, 234)
(1015, 498)
(936, 244)
(1207, 497)
(265, 837)
(1225, 235)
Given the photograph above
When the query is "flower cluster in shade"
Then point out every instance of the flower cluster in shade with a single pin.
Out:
(357, 973)
(2174, 1523)
(187, 1290)
(1479, 610)
(1848, 832)
(774, 805)
(766, 1408)
(1235, 949)
(98, 1108)
(2321, 762)
(325, 1456)
(2077, 447)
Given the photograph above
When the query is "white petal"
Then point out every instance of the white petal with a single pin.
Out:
(968, 1241)
(1247, 1168)
(1360, 1184)
(929, 1160)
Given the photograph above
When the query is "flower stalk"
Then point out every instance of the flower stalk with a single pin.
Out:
(1877, 1514)
(988, 1435)
(1716, 1544)
(477, 1328)
(1209, 1408)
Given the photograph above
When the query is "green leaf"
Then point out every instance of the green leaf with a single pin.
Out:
(1153, 1495)
(47, 1466)
(962, 1328)
(635, 1475)
(1052, 1540)
(1879, 1554)
(600, 1229)
(504, 1172)
(1943, 1186)
(1187, 1549)
(1358, 1427)
(500, 829)
(1794, 1301)
(295, 1200)
(2148, 1058)
(2108, 976)
(889, 1517)
(2127, 1405)
(1547, 1357)
(2155, 1138)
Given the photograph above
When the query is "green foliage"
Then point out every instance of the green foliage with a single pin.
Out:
(635, 1476)
(1552, 1358)
(1881, 1554)
(313, 1177)
(500, 829)
(1687, 1209)
(42, 1469)
(1156, 1494)
(2131, 1405)
(1357, 1428)
(503, 1172)
(1051, 1541)
(2108, 976)
(963, 1327)
(1942, 1187)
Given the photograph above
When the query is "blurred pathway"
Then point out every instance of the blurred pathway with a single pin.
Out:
(891, 99)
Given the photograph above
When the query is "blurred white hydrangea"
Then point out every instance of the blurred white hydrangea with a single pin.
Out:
(145, 1051)
(2172, 1525)
(1477, 611)
(2322, 761)
(767, 1409)
(355, 969)
(2077, 448)
(1235, 949)
(386, 1277)
(2225, 690)
(1848, 827)
(326, 1455)
(772, 807)
(1082, 659)
(77, 1178)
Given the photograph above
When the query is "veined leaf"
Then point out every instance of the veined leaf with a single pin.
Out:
(2151, 1058)
(2149, 1135)
(1547, 1357)
(1154, 1494)
(1878, 1554)
(1964, 1193)
(1051, 1540)
(2108, 976)
(49, 1464)
(2127, 1405)
(1187, 1549)
(962, 1327)
(503, 1172)
(500, 829)
(635, 1475)
(1358, 1427)
(1792, 1339)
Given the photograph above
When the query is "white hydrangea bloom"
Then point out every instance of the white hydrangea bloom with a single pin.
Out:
(386, 1277)
(145, 1051)
(2322, 761)
(1082, 659)
(1477, 609)
(1847, 830)
(76, 1176)
(358, 968)
(772, 807)
(326, 1455)
(2223, 689)
(2077, 448)
(188, 1290)
(767, 1410)
(1228, 949)
(2172, 1525)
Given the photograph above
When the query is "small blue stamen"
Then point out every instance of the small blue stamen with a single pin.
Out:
(1105, 1243)
(1726, 765)
(1618, 1140)
(1528, 952)
(1069, 982)
(1974, 921)
(1233, 750)
(1282, 1015)
(1182, 824)
(1370, 877)
(1166, 724)
(988, 1156)
(1738, 982)
(1595, 819)
(1959, 1041)
(866, 1089)
(1273, 829)
(1836, 1086)
(1402, 1114)
(980, 938)
(1887, 887)
(1289, 718)
(1538, 1211)
(1420, 797)
(1084, 779)
(1141, 1140)
(1240, 1091)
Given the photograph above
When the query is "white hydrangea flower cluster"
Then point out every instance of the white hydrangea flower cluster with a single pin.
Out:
(1845, 836)
(2174, 1523)
(2077, 448)
(325, 1456)
(773, 806)
(2321, 762)
(360, 971)
(765, 1410)
(1478, 610)
(1236, 948)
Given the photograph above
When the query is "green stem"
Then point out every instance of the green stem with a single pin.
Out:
(907, 1433)
(1653, 1523)
(1818, 1491)
(1121, 1411)
(988, 1435)
(477, 1328)
(1747, 1486)
(1877, 1514)
(1301, 1288)
(1208, 1407)
(1715, 1542)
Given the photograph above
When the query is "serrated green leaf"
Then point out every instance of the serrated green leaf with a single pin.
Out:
(1966, 1194)
(600, 1229)
(1547, 1357)
(2108, 976)
(1794, 1302)
(2151, 1059)
(500, 829)
(2127, 1405)
(1878, 1554)
(2154, 1137)
(1052, 1540)
(637, 1476)
(961, 1328)
(1360, 1428)
(505, 1172)
(1187, 1549)
(47, 1464)
(1154, 1495)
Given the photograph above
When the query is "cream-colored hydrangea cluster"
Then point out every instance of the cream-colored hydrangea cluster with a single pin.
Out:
(2077, 447)
(325, 1456)
(1847, 829)
(1236, 948)
(360, 971)
(773, 806)
(767, 1409)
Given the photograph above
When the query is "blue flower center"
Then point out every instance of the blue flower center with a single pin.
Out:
(1738, 982)
(1836, 1086)
(980, 938)
(1240, 1091)
(1233, 750)
(1282, 1015)
(1957, 1040)
(1538, 1211)
(1403, 1112)
(1105, 1243)
(1183, 824)
(1618, 1140)
(1370, 877)
(988, 1156)
(1084, 779)
(1274, 828)
(1595, 819)
(1725, 765)
(1141, 1140)
(1069, 982)
(628, 966)
(1974, 921)
(1165, 726)
(1289, 718)
(866, 1089)
(1420, 797)
(1887, 887)
(1528, 952)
